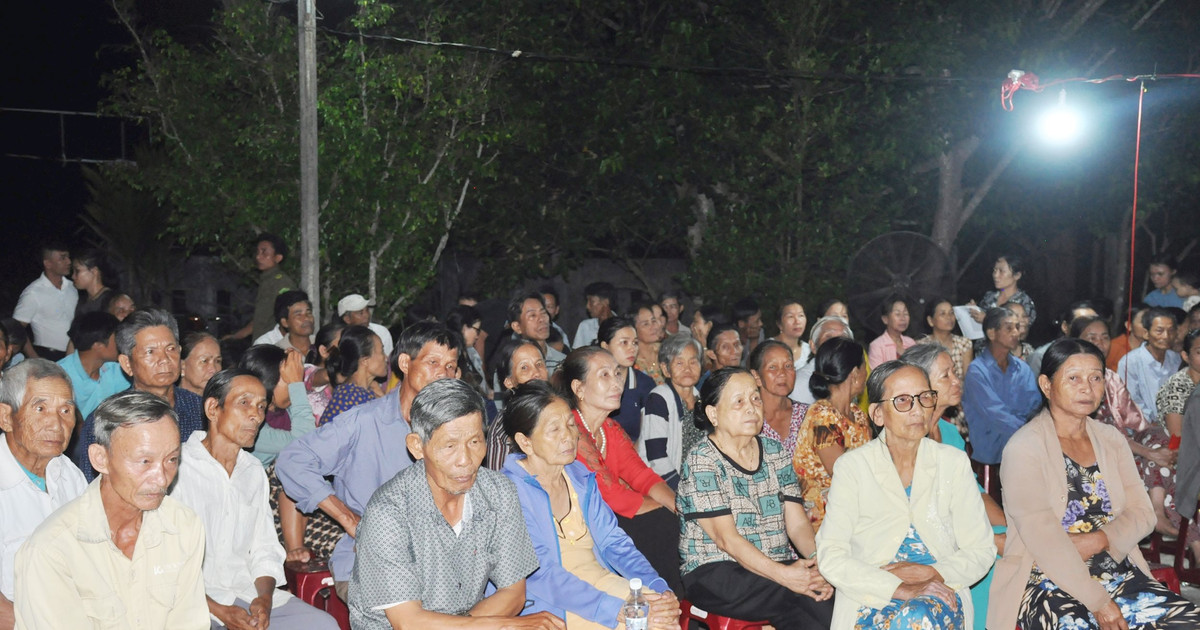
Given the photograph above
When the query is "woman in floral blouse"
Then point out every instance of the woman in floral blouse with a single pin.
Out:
(833, 424)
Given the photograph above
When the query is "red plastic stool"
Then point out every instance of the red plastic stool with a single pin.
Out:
(312, 583)
(713, 621)
(1166, 575)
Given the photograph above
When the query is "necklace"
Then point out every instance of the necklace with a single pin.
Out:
(600, 442)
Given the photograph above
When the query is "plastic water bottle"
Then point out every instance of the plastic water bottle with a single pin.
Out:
(636, 609)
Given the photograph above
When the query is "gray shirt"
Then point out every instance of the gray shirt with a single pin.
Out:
(408, 552)
(1187, 484)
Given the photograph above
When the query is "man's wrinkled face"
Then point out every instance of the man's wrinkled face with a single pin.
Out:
(432, 363)
(1161, 333)
(155, 358)
(534, 321)
(454, 453)
(140, 462)
(42, 426)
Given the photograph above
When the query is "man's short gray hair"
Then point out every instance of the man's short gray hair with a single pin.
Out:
(673, 346)
(140, 320)
(815, 333)
(12, 386)
(443, 401)
(126, 409)
(924, 355)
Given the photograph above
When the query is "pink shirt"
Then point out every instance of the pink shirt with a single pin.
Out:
(883, 349)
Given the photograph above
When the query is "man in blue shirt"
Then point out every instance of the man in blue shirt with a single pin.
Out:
(1000, 393)
(1150, 365)
(364, 446)
(93, 369)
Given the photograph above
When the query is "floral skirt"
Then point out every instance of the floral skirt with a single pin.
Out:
(1145, 602)
(920, 613)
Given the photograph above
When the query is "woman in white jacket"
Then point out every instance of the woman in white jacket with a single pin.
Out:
(905, 532)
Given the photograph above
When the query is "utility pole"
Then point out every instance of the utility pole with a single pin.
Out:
(310, 271)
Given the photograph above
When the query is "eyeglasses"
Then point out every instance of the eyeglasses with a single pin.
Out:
(904, 402)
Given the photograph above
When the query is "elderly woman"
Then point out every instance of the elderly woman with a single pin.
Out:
(792, 322)
(591, 380)
(585, 559)
(1148, 441)
(775, 372)
(742, 516)
(833, 424)
(941, 324)
(515, 362)
(938, 365)
(354, 366)
(619, 336)
(888, 346)
(668, 432)
(905, 530)
(1072, 558)
(200, 358)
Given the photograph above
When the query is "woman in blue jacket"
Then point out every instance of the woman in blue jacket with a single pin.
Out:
(585, 559)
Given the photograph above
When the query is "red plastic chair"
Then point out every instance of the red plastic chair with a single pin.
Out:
(1166, 575)
(713, 621)
(312, 583)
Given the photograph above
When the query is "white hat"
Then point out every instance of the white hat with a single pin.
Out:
(353, 302)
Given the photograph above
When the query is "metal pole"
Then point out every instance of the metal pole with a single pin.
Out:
(310, 272)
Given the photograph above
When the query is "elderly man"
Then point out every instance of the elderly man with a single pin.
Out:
(1000, 392)
(148, 351)
(434, 537)
(37, 415)
(1147, 368)
(227, 488)
(361, 450)
(529, 319)
(47, 305)
(355, 310)
(124, 554)
(825, 329)
(92, 368)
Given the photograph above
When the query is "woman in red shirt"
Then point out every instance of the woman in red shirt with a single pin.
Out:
(592, 382)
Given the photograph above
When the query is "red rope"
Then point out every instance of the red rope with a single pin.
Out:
(1137, 156)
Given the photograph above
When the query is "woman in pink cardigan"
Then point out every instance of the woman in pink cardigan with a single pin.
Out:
(1076, 509)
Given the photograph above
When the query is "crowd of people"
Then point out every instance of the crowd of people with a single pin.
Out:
(150, 479)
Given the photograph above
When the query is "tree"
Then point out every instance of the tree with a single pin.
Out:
(404, 134)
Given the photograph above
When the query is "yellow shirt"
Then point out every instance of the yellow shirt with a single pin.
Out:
(70, 574)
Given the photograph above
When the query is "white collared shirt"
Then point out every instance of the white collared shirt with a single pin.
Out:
(23, 506)
(241, 544)
(49, 310)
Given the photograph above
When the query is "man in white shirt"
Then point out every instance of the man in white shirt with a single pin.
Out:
(355, 310)
(47, 305)
(227, 488)
(37, 415)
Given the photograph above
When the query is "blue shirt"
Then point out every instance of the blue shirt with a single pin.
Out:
(90, 393)
(997, 403)
(552, 587)
(362, 450)
(1165, 300)
(188, 407)
(1144, 376)
(629, 416)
